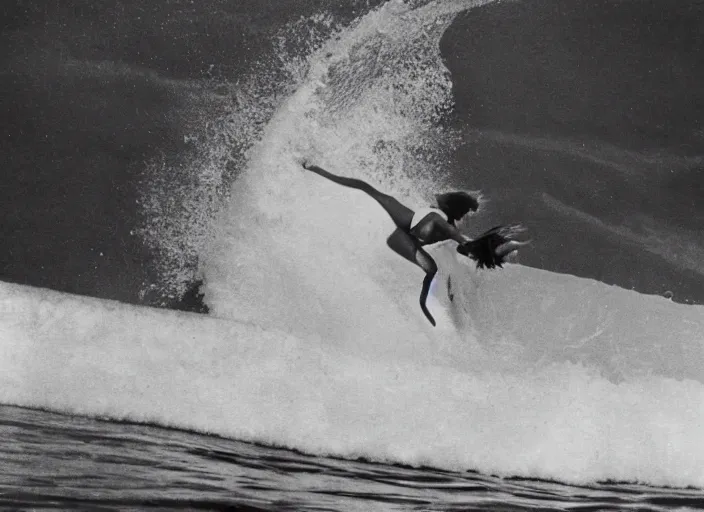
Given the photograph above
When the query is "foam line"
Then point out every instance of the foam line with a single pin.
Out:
(560, 420)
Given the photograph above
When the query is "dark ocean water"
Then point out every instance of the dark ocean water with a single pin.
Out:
(582, 120)
(55, 462)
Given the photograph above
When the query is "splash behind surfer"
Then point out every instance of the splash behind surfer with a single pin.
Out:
(425, 226)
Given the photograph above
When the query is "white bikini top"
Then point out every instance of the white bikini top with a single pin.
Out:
(421, 213)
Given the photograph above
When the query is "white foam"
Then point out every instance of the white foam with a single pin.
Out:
(577, 413)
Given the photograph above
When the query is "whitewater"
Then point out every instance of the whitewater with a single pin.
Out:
(315, 341)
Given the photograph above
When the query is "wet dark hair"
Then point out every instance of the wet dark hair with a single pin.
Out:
(456, 204)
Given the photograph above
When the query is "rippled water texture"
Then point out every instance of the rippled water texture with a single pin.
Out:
(52, 461)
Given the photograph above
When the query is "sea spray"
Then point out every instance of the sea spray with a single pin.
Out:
(182, 191)
(298, 253)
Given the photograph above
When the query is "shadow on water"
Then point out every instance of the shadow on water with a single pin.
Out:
(52, 461)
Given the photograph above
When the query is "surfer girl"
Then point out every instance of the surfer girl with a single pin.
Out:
(426, 226)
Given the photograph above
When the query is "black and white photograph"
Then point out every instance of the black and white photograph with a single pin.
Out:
(352, 255)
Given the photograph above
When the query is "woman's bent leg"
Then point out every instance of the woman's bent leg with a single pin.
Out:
(408, 247)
